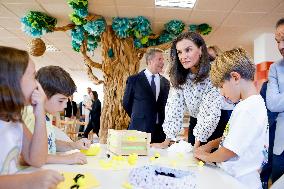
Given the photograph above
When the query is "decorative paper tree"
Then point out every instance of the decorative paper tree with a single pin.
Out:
(123, 45)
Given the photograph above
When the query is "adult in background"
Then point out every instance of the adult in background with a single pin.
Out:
(275, 103)
(95, 114)
(146, 95)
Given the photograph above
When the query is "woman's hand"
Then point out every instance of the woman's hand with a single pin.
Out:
(162, 145)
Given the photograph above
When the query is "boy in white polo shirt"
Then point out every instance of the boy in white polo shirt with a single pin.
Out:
(243, 148)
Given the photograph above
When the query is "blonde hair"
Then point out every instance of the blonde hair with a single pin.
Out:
(235, 60)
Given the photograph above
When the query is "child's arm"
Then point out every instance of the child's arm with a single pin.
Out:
(75, 158)
(220, 155)
(44, 179)
(209, 146)
(63, 146)
(34, 148)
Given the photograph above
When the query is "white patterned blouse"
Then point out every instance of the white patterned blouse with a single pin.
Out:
(203, 102)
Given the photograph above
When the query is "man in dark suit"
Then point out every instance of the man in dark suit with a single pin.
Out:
(146, 95)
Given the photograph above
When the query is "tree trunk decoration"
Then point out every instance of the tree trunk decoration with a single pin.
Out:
(124, 63)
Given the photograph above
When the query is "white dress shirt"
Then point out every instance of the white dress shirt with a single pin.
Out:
(156, 79)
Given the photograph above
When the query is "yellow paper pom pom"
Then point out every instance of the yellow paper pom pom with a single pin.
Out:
(157, 155)
(200, 163)
(127, 185)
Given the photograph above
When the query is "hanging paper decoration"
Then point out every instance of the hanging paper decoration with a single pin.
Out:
(36, 24)
(110, 53)
(95, 28)
(141, 26)
(165, 37)
(121, 27)
(80, 7)
(175, 27)
(203, 29)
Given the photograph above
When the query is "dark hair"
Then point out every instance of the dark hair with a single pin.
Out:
(13, 64)
(95, 94)
(279, 22)
(55, 80)
(178, 74)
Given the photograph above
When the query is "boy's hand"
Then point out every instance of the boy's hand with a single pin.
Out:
(46, 179)
(204, 148)
(201, 155)
(76, 158)
(38, 99)
(82, 144)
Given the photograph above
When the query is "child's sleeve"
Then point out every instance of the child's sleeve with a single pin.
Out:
(241, 133)
(208, 116)
(174, 113)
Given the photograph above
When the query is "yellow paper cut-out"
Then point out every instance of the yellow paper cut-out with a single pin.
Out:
(132, 159)
(127, 185)
(89, 182)
(200, 163)
(92, 151)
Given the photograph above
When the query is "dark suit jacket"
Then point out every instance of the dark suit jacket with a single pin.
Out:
(140, 104)
(69, 107)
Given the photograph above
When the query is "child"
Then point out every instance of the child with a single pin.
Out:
(241, 150)
(18, 87)
(58, 86)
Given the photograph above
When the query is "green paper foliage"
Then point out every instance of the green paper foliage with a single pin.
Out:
(110, 53)
(203, 29)
(95, 28)
(77, 20)
(165, 37)
(80, 7)
(174, 27)
(122, 27)
(141, 27)
(36, 24)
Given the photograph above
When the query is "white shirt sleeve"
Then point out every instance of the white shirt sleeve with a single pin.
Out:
(208, 116)
(174, 110)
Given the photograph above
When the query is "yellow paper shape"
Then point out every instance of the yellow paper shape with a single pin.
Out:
(92, 151)
(200, 163)
(127, 185)
(89, 182)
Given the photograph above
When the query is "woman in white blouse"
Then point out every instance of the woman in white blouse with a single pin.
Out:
(192, 90)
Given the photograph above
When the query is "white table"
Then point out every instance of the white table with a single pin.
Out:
(207, 176)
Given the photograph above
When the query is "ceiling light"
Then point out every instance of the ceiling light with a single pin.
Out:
(175, 3)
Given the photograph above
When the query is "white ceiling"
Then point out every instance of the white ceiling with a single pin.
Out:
(234, 22)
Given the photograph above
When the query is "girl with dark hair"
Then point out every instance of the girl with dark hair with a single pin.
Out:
(18, 88)
(192, 90)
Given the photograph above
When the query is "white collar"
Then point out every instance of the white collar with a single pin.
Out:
(148, 73)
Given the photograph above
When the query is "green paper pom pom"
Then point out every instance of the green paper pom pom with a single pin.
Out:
(110, 53)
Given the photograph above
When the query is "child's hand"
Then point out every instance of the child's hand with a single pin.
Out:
(46, 179)
(38, 99)
(201, 155)
(204, 148)
(82, 144)
(76, 158)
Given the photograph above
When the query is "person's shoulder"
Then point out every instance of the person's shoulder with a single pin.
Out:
(277, 63)
(134, 77)
(163, 79)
